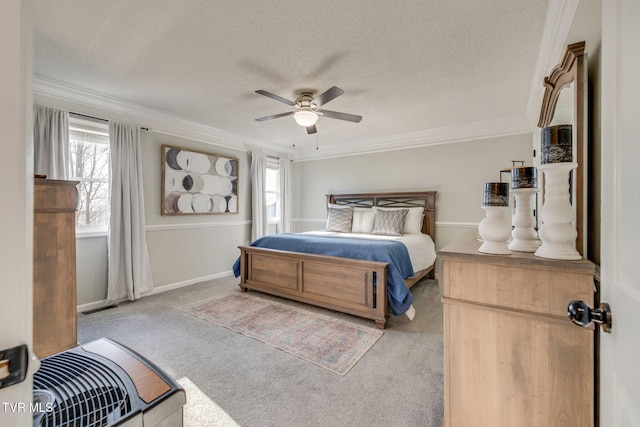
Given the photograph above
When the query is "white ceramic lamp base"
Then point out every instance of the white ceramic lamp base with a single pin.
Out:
(524, 237)
(495, 230)
(557, 233)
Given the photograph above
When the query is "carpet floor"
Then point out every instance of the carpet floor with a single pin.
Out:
(398, 382)
(200, 411)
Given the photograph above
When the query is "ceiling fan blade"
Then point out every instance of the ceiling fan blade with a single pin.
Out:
(340, 116)
(328, 95)
(275, 116)
(312, 129)
(276, 97)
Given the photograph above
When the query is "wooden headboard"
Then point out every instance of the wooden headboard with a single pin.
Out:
(424, 199)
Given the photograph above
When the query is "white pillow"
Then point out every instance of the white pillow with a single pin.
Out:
(413, 221)
(363, 220)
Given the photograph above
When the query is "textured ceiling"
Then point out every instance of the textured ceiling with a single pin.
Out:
(405, 66)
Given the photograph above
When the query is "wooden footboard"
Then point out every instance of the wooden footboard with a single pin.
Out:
(341, 284)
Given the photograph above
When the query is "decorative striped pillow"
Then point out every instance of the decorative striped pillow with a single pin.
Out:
(339, 219)
(390, 223)
(413, 221)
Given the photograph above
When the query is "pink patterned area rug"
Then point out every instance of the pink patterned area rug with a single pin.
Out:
(331, 343)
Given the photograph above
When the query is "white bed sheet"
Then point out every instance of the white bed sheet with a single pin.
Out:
(422, 250)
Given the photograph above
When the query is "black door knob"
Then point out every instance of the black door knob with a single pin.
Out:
(583, 315)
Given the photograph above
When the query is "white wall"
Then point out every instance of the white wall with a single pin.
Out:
(183, 249)
(91, 269)
(457, 171)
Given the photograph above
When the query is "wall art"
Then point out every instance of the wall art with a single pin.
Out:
(195, 183)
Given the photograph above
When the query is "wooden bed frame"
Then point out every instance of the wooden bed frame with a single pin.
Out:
(341, 284)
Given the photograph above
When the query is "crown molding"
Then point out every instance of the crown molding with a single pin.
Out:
(506, 126)
(560, 16)
(109, 108)
(100, 105)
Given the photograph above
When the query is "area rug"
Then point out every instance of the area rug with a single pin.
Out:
(331, 343)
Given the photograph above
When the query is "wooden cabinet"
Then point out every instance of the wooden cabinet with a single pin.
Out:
(512, 357)
(54, 266)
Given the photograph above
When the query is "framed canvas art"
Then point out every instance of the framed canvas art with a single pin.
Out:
(196, 183)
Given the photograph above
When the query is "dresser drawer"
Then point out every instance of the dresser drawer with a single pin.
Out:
(517, 287)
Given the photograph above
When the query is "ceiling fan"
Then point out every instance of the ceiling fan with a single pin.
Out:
(307, 112)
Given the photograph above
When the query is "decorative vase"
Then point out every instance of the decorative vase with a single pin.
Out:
(495, 228)
(524, 183)
(557, 232)
(524, 237)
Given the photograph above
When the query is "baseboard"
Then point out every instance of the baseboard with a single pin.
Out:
(158, 290)
(177, 285)
(97, 305)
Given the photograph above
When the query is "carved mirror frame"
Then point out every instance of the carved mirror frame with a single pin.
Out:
(572, 69)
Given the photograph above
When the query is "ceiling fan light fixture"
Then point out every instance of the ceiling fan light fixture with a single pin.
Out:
(305, 117)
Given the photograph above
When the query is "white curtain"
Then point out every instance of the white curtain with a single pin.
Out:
(51, 142)
(258, 198)
(129, 267)
(285, 195)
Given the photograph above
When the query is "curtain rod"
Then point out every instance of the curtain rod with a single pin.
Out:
(99, 118)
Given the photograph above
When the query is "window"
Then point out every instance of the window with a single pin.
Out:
(89, 153)
(272, 190)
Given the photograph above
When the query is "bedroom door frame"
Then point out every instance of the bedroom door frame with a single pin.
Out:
(16, 227)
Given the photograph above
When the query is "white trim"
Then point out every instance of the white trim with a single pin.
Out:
(158, 290)
(560, 15)
(314, 220)
(443, 224)
(178, 285)
(505, 126)
(97, 305)
(91, 234)
(457, 224)
(155, 120)
(161, 227)
(164, 123)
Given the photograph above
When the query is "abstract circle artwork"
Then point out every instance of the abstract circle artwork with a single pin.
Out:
(198, 183)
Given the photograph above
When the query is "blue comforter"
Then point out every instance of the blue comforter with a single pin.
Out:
(393, 252)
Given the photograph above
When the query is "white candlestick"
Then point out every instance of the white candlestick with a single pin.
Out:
(557, 232)
(495, 230)
(524, 235)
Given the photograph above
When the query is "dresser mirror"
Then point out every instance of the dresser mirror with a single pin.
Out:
(565, 102)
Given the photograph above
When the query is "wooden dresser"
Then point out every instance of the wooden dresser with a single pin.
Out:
(512, 357)
(54, 266)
